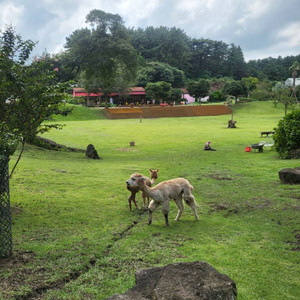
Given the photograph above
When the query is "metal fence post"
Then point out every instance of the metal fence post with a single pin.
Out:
(5, 213)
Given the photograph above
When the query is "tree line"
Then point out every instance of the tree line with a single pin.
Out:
(106, 48)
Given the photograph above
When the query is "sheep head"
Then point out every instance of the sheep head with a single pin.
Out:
(153, 173)
(136, 181)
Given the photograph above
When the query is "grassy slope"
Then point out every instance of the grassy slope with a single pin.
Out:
(73, 233)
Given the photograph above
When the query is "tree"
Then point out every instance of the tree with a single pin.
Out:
(250, 83)
(287, 135)
(235, 88)
(176, 95)
(207, 58)
(198, 89)
(295, 67)
(159, 91)
(284, 96)
(235, 63)
(29, 94)
(216, 96)
(156, 71)
(104, 52)
(162, 44)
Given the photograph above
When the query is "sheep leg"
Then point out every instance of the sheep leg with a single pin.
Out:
(166, 220)
(144, 200)
(166, 209)
(132, 198)
(180, 206)
(190, 201)
(150, 218)
(152, 207)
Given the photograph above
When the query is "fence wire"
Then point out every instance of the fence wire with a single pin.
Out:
(5, 213)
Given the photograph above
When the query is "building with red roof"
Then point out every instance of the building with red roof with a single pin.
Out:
(136, 95)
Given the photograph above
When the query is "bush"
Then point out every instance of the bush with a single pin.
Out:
(217, 96)
(261, 95)
(287, 136)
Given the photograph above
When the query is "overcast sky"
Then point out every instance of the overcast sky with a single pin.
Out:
(263, 28)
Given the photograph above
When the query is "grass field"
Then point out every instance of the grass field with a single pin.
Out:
(75, 238)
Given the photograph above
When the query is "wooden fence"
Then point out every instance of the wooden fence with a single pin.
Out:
(167, 111)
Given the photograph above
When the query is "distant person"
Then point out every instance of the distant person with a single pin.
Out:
(208, 147)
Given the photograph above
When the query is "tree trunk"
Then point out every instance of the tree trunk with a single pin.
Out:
(285, 108)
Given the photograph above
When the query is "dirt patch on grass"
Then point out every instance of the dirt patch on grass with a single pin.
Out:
(256, 204)
(296, 243)
(16, 210)
(218, 206)
(126, 149)
(219, 177)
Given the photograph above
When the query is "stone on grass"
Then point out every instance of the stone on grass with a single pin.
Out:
(91, 152)
(290, 176)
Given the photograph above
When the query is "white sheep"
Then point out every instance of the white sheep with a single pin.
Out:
(149, 182)
(163, 192)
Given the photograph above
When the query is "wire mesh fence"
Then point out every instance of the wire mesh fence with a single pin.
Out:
(5, 214)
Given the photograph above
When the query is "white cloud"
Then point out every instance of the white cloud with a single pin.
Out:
(136, 11)
(260, 27)
(10, 14)
(290, 35)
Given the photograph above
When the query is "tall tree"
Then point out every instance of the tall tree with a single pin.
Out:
(104, 51)
(207, 58)
(163, 44)
(235, 63)
(295, 67)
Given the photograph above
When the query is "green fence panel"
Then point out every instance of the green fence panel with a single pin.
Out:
(5, 213)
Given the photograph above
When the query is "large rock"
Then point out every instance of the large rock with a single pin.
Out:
(290, 176)
(182, 281)
(91, 152)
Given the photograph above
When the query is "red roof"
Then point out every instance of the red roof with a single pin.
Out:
(82, 92)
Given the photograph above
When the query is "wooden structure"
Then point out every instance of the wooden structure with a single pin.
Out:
(168, 111)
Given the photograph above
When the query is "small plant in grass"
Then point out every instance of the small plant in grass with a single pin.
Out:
(287, 136)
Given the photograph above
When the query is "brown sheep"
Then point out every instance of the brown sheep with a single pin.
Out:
(163, 193)
(149, 181)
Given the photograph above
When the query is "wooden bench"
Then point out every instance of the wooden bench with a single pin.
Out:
(266, 133)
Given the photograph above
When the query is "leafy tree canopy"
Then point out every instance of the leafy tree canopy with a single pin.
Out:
(156, 71)
(159, 91)
(250, 83)
(163, 44)
(235, 88)
(104, 52)
(29, 94)
(198, 89)
(285, 96)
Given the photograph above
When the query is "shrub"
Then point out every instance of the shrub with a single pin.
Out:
(216, 96)
(287, 136)
(261, 95)
(235, 88)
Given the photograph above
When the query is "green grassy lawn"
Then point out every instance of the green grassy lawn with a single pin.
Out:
(75, 238)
